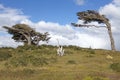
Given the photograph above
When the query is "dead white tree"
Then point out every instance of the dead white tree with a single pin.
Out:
(60, 50)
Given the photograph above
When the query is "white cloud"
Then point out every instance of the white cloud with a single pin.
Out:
(79, 2)
(9, 16)
(5, 40)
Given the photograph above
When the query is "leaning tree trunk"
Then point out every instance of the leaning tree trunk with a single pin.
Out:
(110, 35)
(28, 38)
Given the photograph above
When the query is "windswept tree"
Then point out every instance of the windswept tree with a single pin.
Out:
(93, 16)
(24, 33)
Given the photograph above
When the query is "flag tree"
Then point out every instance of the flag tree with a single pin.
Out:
(93, 16)
(24, 33)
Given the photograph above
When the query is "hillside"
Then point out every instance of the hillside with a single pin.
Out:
(43, 63)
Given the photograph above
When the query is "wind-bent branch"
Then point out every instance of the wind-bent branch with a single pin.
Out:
(91, 16)
(23, 33)
(83, 25)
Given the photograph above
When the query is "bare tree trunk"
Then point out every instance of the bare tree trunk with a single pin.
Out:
(111, 37)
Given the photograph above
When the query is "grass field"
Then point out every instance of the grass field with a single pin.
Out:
(42, 63)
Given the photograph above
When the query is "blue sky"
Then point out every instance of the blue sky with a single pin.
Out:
(59, 11)
(55, 17)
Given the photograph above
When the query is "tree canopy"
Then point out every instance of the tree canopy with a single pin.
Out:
(91, 15)
(24, 33)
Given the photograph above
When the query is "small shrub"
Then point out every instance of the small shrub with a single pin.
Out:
(28, 71)
(91, 51)
(39, 61)
(26, 60)
(4, 55)
(74, 47)
(18, 61)
(71, 62)
(26, 47)
(115, 67)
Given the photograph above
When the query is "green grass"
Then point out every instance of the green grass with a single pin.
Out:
(42, 63)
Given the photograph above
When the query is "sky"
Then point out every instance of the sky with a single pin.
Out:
(56, 16)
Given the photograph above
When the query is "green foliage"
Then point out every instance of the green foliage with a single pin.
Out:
(26, 60)
(4, 55)
(115, 67)
(91, 16)
(17, 61)
(28, 71)
(74, 47)
(26, 47)
(32, 55)
(71, 62)
(91, 51)
(39, 61)
(24, 33)
(46, 49)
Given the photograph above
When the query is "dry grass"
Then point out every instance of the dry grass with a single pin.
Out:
(76, 64)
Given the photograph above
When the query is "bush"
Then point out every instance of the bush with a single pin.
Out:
(28, 71)
(71, 62)
(17, 61)
(74, 47)
(91, 51)
(4, 55)
(26, 47)
(115, 67)
(26, 60)
(39, 61)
